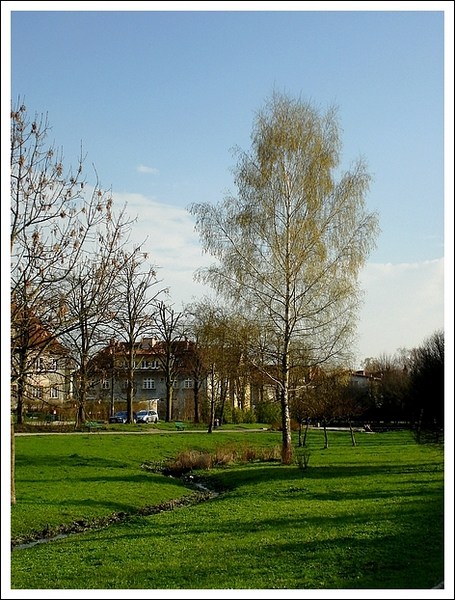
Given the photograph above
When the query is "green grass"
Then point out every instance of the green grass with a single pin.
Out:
(356, 518)
(63, 478)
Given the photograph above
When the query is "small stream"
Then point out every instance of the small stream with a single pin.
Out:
(40, 541)
(202, 494)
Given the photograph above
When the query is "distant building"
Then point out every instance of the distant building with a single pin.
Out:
(150, 373)
(363, 380)
(43, 368)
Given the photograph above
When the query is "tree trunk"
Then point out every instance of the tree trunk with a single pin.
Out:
(80, 414)
(130, 384)
(286, 447)
(20, 400)
(212, 404)
(196, 400)
(306, 432)
(352, 433)
(223, 397)
(129, 398)
(13, 463)
(326, 438)
(169, 407)
(81, 396)
(21, 387)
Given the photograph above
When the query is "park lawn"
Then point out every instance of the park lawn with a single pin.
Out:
(369, 516)
(61, 478)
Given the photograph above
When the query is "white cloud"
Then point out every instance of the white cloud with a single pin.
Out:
(167, 233)
(144, 169)
(404, 304)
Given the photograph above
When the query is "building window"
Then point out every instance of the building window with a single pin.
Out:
(187, 383)
(40, 364)
(150, 364)
(175, 383)
(37, 392)
(148, 384)
(54, 364)
(54, 393)
(106, 384)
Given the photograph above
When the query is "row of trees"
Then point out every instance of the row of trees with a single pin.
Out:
(75, 276)
(411, 385)
(288, 249)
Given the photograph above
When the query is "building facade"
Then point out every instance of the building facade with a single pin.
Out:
(159, 371)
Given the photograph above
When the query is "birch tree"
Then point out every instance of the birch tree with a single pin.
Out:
(290, 244)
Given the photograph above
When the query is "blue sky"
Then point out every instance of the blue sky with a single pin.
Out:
(158, 98)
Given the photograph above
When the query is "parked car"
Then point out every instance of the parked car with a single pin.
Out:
(147, 416)
(121, 417)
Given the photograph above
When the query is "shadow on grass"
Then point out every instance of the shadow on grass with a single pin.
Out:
(369, 550)
(73, 460)
(390, 562)
(105, 477)
(235, 478)
(393, 545)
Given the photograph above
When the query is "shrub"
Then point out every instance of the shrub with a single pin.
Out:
(249, 416)
(268, 412)
(193, 460)
(224, 456)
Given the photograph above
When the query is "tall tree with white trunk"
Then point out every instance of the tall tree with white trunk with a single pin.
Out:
(289, 246)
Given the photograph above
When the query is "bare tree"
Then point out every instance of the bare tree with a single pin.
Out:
(198, 370)
(210, 326)
(136, 306)
(169, 326)
(91, 304)
(290, 246)
(53, 218)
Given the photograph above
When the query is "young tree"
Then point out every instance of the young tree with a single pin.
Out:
(290, 245)
(209, 326)
(136, 306)
(326, 398)
(169, 326)
(91, 304)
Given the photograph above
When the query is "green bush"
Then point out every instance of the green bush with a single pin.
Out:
(268, 412)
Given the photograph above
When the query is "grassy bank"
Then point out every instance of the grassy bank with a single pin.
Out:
(363, 517)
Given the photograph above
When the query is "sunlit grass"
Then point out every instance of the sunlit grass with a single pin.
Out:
(363, 517)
